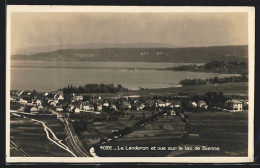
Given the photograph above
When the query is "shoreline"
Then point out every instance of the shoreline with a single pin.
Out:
(238, 88)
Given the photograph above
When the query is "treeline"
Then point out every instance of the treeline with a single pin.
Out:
(216, 66)
(214, 80)
(94, 88)
(191, 67)
(228, 64)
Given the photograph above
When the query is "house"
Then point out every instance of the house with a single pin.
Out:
(106, 104)
(78, 98)
(40, 107)
(176, 104)
(59, 109)
(76, 110)
(202, 104)
(12, 99)
(22, 101)
(144, 53)
(59, 96)
(245, 105)
(149, 103)
(99, 107)
(234, 105)
(20, 93)
(71, 107)
(194, 104)
(113, 107)
(34, 109)
(87, 107)
(172, 112)
(50, 100)
(53, 104)
(161, 104)
(46, 94)
(140, 107)
(159, 53)
(33, 104)
(38, 102)
(167, 104)
(126, 105)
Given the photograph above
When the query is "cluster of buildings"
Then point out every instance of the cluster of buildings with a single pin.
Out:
(77, 104)
(156, 53)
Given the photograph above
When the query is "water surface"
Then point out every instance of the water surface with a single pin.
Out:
(50, 76)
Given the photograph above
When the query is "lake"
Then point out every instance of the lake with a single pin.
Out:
(50, 76)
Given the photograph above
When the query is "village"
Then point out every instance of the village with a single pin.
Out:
(36, 102)
(88, 109)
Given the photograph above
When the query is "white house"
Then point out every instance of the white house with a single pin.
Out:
(78, 98)
(88, 107)
(99, 107)
(106, 104)
(34, 109)
(168, 104)
(38, 102)
(76, 110)
(59, 109)
(140, 107)
(194, 104)
(234, 105)
(22, 101)
(161, 104)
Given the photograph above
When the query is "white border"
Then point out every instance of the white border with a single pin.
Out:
(251, 56)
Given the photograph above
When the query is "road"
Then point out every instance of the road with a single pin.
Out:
(49, 133)
(54, 138)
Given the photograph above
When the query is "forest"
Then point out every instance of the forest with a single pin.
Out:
(214, 80)
(94, 88)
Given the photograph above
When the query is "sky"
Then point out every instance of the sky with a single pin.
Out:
(177, 29)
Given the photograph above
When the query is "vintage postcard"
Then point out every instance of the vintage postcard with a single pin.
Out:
(95, 84)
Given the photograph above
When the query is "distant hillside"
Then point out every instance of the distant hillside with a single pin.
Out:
(178, 55)
(50, 48)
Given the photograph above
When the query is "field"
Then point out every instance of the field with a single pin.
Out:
(226, 133)
(165, 132)
(229, 131)
(99, 130)
(30, 136)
